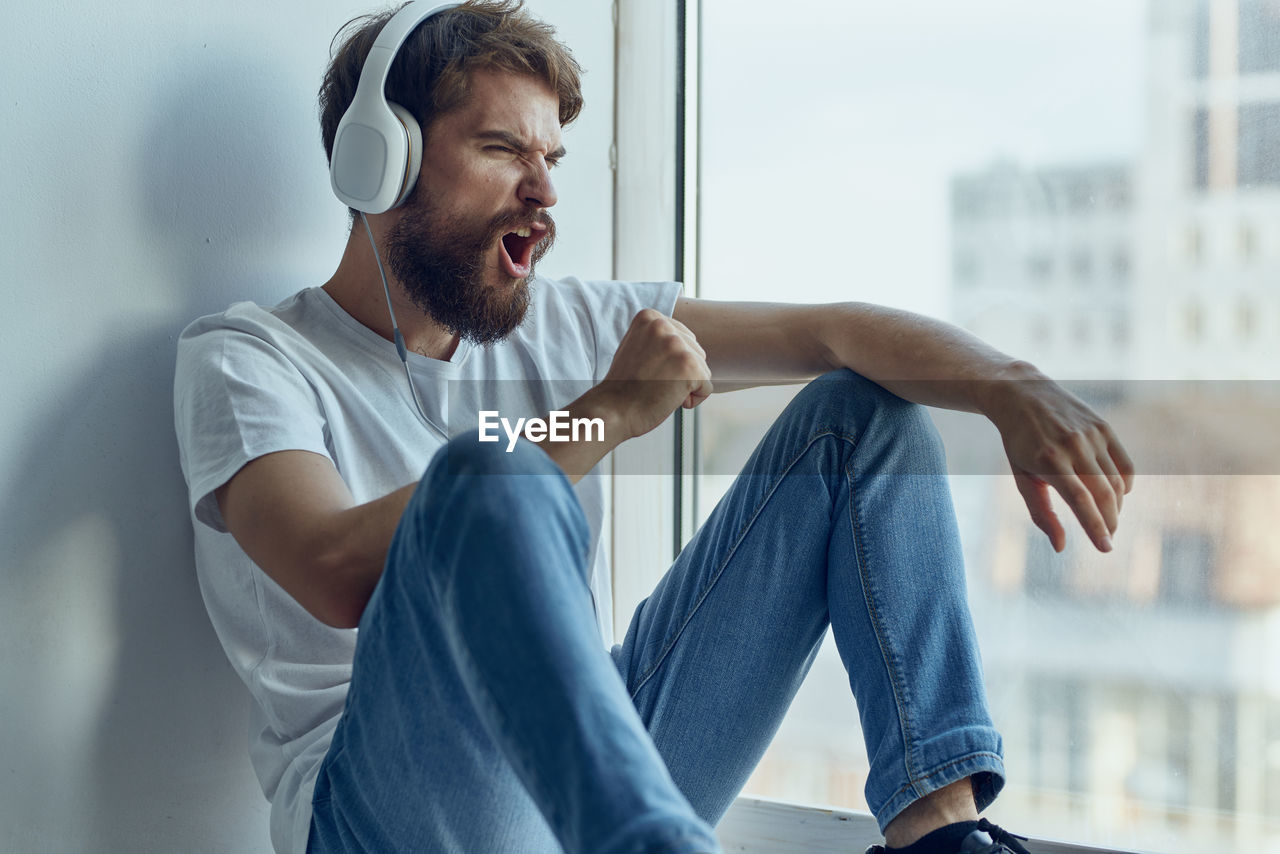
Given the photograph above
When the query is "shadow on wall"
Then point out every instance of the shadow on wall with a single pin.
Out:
(163, 762)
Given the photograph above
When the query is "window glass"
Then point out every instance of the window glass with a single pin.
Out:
(1259, 130)
(1259, 35)
(1068, 181)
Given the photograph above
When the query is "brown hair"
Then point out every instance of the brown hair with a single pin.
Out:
(430, 75)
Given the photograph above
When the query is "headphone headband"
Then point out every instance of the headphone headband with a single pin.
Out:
(377, 65)
(377, 146)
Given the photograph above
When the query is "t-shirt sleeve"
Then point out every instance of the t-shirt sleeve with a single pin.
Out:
(237, 398)
(611, 306)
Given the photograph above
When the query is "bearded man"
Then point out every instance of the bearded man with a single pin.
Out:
(483, 705)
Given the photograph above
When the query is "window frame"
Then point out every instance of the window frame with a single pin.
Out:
(655, 60)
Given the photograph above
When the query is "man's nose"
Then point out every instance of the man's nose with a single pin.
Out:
(537, 188)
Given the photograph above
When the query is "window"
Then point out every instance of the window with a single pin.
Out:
(1200, 145)
(917, 138)
(1259, 36)
(1080, 197)
(1200, 40)
(1119, 195)
(1258, 164)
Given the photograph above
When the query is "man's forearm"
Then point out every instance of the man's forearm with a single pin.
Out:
(583, 450)
(918, 358)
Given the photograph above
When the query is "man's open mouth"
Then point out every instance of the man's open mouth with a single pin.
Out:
(517, 249)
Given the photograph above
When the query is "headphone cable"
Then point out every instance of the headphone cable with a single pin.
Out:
(399, 339)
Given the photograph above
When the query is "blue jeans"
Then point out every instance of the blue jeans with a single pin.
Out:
(483, 715)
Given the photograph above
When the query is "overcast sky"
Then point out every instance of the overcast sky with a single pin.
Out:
(830, 132)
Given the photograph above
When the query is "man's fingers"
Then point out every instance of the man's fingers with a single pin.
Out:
(701, 393)
(1035, 493)
(1115, 479)
(1054, 439)
(661, 347)
(1118, 455)
(1102, 490)
(1080, 498)
(680, 327)
(688, 335)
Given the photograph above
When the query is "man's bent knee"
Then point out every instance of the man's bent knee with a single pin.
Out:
(862, 406)
(848, 393)
(485, 478)
(493, 490)
(466, 455)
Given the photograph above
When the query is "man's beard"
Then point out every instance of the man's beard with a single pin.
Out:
(441, 265)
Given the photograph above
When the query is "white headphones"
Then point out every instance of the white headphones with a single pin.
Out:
(377, 149)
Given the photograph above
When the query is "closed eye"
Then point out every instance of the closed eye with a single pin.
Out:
(503, 142)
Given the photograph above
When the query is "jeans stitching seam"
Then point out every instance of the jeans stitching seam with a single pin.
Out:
(874, 615)
(733, 549)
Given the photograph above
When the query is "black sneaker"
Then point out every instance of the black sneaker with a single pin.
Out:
(987, 839)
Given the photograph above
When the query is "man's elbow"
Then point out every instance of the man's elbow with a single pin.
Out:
(339, 593)
(337, 613)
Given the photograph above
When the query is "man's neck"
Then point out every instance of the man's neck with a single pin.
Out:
(357, 288)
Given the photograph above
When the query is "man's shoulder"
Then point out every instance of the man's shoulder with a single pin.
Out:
(580, 303)
(247, 318)
(567, 287)
(601, 294)
(245, 334)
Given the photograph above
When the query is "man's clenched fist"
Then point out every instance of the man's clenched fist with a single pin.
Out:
(659, 365)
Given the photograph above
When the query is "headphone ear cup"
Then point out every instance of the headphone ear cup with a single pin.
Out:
(413, 159)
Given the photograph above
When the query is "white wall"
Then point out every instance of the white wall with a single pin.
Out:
(159, 162)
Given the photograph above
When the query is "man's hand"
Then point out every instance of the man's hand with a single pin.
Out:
(658, 366)
(1055, 440)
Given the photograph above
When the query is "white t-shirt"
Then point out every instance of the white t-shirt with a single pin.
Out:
(305, 375)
